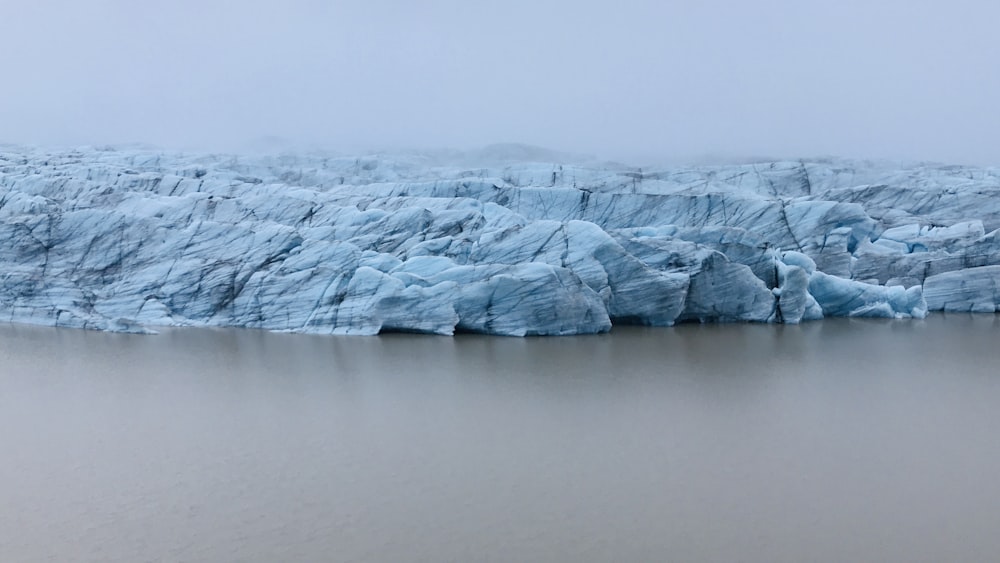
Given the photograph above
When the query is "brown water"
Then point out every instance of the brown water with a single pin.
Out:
(832, 441)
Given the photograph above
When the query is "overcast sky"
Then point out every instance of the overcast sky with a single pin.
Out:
(623, 79)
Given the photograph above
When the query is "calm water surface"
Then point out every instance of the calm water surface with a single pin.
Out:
(833, 441)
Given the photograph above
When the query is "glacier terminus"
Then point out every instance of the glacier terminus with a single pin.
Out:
(128, 240)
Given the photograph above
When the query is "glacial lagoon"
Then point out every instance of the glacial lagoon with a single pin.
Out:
(837, 440)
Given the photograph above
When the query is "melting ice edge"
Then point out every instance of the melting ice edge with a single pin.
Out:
(125, 240)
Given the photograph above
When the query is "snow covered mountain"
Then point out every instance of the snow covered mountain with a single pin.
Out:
(125, 240)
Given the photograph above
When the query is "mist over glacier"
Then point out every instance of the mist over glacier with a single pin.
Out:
(636, 80)
(490, 241)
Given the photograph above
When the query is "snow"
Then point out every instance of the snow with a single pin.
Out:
(133, 239)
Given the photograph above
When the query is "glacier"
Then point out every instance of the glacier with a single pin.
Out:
(534, 244)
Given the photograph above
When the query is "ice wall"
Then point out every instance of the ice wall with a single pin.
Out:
(127, 240)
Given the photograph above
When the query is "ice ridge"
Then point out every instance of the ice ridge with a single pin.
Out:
(132, 239)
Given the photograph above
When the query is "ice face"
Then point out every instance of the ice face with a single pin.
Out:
(975, 290)
(126, 240)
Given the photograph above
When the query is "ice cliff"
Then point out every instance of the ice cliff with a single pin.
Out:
(129, 239)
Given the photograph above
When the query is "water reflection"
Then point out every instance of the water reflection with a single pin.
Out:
(837, 440)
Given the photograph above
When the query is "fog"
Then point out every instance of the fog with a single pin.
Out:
(629, 79)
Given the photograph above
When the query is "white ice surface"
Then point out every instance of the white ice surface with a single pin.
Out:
(127, 240)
